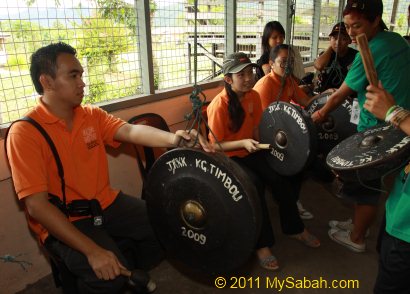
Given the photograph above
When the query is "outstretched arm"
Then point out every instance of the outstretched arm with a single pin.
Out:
(153, 137)
(249, 144)
(332, 103)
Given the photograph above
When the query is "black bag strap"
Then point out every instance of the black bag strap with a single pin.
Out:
(52, 147)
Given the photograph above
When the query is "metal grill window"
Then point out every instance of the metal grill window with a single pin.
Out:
(112, 45)
(303, 28)
(106, 43)
(173, 33)
(251, 19)
(329, 16)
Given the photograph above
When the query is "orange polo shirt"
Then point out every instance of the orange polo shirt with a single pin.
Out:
(268, 88)
(218, 119)
(81, 151)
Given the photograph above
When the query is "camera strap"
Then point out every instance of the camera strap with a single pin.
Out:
(53, 150)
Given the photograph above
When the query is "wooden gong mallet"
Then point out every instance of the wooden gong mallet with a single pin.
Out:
(367, 59)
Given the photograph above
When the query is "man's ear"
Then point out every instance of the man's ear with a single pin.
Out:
(228, 79)
(46, 81)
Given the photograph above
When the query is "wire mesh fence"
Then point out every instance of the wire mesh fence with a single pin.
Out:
(106, 44)
(109, 41)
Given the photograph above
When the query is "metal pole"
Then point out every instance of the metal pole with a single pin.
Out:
(213, 62)
(230, 26)
(393, 15)
(317, 9)
(189, 64)
(145, 43)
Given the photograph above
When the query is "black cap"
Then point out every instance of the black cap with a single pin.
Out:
(339, 27)
(370, 8)
(236, 62)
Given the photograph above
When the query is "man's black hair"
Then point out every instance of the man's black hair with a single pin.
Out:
(44, 61)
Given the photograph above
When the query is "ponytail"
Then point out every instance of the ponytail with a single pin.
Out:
(236, 112)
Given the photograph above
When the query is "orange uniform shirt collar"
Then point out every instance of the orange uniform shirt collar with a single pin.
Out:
(274, 76)
(45, 116)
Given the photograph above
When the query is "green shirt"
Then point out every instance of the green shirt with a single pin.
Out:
(391, 54)
(398, 209)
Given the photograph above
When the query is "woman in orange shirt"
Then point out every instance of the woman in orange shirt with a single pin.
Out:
(280, 85)
(233, 117)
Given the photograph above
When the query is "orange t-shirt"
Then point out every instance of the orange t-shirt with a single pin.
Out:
(82, 153)
(268, 88)
(218, 119)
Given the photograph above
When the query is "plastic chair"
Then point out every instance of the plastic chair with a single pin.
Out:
(148, 155)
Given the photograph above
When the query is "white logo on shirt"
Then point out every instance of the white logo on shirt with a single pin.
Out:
(89, 134)
(90, 137)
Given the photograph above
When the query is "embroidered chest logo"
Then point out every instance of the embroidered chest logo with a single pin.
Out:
(90, 137)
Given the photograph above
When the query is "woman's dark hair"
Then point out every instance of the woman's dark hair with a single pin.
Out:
(275, 51)
(44, 61)
(236, 112)
(270, 27)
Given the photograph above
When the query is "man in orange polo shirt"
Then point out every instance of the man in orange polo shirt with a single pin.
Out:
(80, 134)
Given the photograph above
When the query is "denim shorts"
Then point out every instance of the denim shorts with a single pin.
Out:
(364, 193)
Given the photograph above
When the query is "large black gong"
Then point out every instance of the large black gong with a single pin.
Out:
(292, 136)
(204, 209)
(370, 154)
(336, 127)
